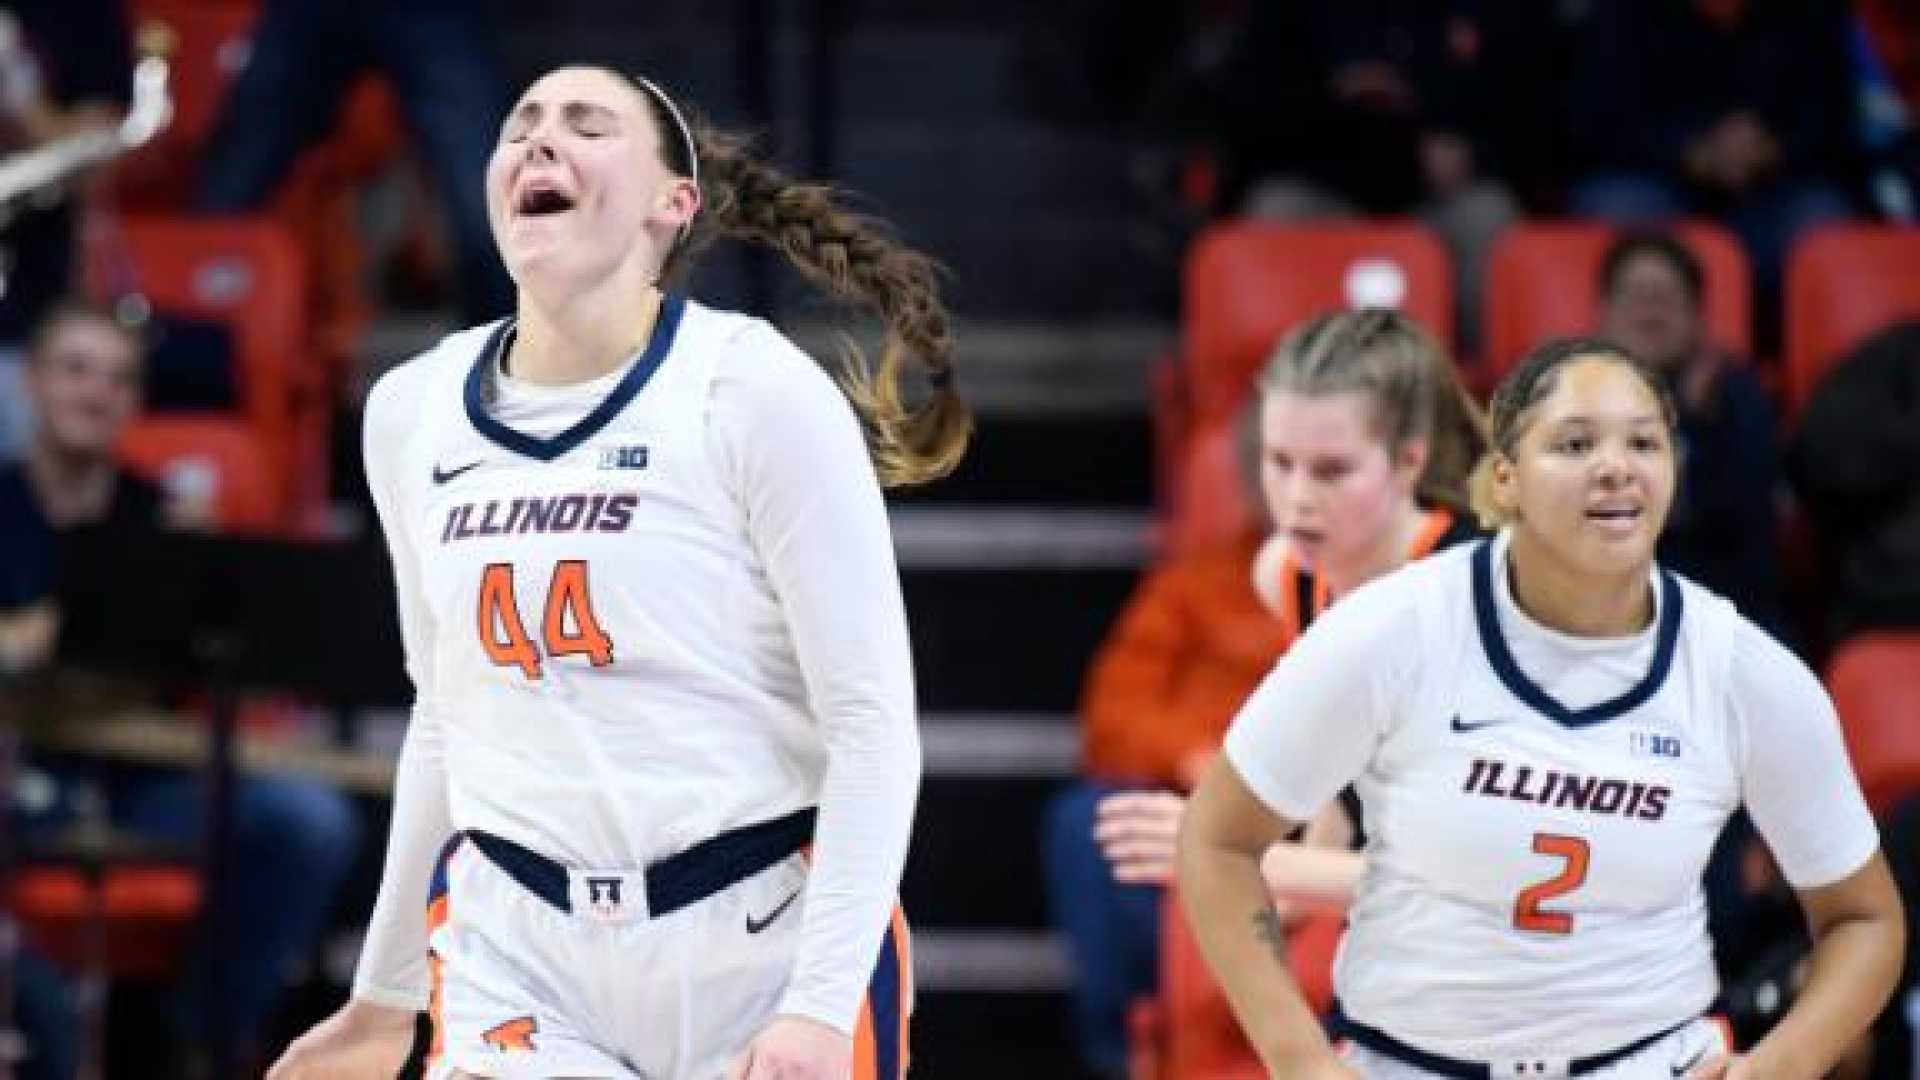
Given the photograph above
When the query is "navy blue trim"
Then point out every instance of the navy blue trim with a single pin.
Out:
(1380, 1042)
(672, 306)
(883, 998)
(675, 881)
(1486, 615)
(437, 885)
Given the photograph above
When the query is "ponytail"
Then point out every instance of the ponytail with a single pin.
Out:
(852, 258)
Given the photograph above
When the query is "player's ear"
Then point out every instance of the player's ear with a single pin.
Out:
(679, 203)
(1504, 485)
(1410, 461)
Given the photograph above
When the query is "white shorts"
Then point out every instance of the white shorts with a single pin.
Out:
(525, 990)
(1670, 1057)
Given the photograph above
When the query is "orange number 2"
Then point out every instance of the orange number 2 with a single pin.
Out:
(569, 627)
(1574, 853)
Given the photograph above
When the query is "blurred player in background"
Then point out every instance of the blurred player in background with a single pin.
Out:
(1365, 440)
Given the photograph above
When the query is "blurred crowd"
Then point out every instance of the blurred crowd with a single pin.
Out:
(178, 329)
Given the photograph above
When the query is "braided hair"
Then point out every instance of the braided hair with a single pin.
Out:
(851, 257)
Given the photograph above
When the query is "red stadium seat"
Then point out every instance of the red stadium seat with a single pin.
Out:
(1247, 284)
(1215, 501)
(143, 912)
(1875, 682)
(1844, 284)
(220, 454)
(1543, 282)
(249, 275)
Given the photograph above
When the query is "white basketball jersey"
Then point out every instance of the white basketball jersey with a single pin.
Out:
(609, 662)
(639, 612)
(1533, 864)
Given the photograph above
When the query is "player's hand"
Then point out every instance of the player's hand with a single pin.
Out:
(1320, 1066)
(1722, 1067)
(362, 1041)
(1139, 832)
(795, 1048)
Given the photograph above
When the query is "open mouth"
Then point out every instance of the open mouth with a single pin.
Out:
(1614, 515)
(543, 202)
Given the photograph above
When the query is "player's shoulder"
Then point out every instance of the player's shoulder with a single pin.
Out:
(745, 347)
(1447, 570)
(761, 375)
(1411, 598)
(429, 372)
(1713, 625)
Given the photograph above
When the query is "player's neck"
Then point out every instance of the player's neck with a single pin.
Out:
(1388, 555)
(1573, 601)
(573, 339)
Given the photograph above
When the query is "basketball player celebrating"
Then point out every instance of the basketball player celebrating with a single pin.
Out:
(654, 800)
(1546, 732)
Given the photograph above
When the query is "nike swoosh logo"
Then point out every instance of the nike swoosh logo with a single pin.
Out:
(441, 476)
(1462, 726)
(755, 927)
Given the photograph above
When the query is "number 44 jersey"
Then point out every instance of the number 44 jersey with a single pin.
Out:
(630, 601)
(1539, 807)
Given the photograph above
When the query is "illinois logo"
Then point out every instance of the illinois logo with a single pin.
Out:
(513, 1037)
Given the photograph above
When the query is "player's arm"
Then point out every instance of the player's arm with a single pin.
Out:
(372, 1033)
(1222, 839)
(1802, 795)
(1303, 735)
(799, 464)
(1312, 877)
(393, 959)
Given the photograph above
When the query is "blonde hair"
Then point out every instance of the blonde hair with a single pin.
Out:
(1409, 378)
(1532, 382)
(849, 256)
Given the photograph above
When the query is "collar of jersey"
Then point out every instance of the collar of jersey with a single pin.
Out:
(672, 306)
(1495, 643)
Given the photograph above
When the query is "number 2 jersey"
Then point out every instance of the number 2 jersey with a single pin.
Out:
(638, 612)
(1540, 808)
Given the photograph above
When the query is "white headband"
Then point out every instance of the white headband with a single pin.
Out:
(679, 122)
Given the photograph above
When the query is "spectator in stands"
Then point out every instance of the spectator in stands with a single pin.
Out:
(1365, 439)
(1855, 464)
(1738, 109)
(1335, 108)
(295, 837)
(64, 69)
(441, 58)
(1722, 528)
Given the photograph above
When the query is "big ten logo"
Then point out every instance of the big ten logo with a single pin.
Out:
(1648, 744)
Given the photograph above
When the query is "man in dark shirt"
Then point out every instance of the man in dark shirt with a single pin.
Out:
(295, 837)
(83, 377)
(1721, 530)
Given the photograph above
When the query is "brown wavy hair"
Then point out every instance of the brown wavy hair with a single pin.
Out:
(853, 258)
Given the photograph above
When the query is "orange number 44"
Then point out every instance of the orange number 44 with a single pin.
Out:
(1574, 855)
(569, 627)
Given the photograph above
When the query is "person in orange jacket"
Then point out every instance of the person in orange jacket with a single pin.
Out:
(1366, 438)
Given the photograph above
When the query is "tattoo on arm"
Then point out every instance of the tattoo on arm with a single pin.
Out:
(1266, 925)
